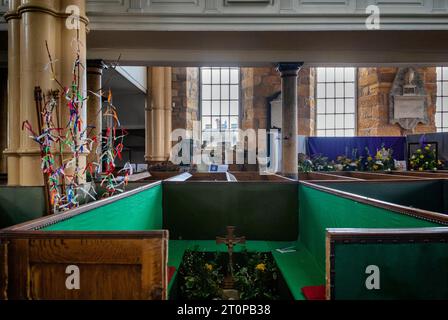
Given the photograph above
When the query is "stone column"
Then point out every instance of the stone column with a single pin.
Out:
(31, 24)
(94, 105)
(157, 111)
(168, 111)
(289, 73)
(13, 126)
(3, 118)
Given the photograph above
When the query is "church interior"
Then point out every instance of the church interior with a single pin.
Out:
(223, 150)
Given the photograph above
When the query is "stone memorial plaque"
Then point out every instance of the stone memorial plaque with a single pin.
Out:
(409, 107)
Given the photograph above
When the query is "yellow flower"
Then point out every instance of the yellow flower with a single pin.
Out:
(422, 156)
(261, 267)
(369, 158)
(426, 148)
(419, 150)
(375, 167)
(420, 169)
(208, 267)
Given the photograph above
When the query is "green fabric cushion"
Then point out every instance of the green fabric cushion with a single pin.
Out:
(140, 211)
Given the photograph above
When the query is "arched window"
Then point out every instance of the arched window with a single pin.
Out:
(336, 102)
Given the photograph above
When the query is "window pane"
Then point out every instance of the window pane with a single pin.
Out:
(320, 105)
(206, 108)
(215, 108)
(349, 74)
(206, 123)
(339, 133)
(225, 107)
(320, 122)
(225, 123)
(350, 90)
(225, 94)
(330, 90)
(321, 90)
(233, 123)
(349, 133)
(445, 73)
(339, 90)
(445, 104)
(206, 76)
(321, 74)
(234, 92)
(320, 133)
(216, 123)
(438, 119)
(339, 74)
(330, 75)
(330, 121)
(330, 106)
(339, 105)
(439, 73)
(234, 76)
(233, 107)
(339, 121)
(445, 88)
(215, 76)
(206, 92)
(349, 121)
(330, 133)
(225, 76)
(215, 92)
(349, 105)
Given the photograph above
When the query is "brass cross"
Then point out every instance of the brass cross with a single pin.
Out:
(230, 241)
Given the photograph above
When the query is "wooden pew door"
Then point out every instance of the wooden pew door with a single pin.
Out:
(111, 265)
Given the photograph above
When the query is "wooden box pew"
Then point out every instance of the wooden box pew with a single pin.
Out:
(423, 174)
(324, 176)
(324, 213)
(256, 176)
(387, 264)
(370, 175)
(110, 249)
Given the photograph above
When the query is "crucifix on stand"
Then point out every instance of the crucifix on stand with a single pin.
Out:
(230, 241)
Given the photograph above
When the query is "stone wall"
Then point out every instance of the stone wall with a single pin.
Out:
(259, 84)
(374, 85)
(185, 84)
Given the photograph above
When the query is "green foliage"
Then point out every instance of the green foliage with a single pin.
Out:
(200, 277)
(425, 158)
(257, 277)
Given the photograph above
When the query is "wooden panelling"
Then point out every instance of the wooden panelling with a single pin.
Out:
(111, 265)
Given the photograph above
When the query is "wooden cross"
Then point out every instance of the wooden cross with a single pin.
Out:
(230, 241)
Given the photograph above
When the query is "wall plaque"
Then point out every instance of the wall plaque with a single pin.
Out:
(407, 103)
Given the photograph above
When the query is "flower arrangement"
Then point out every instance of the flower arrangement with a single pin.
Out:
(425, 158)
(344, 163)
(316, 163)
(382, 161)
